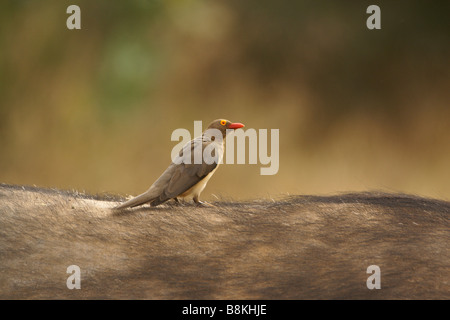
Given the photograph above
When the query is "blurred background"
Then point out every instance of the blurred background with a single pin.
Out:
(357, 109)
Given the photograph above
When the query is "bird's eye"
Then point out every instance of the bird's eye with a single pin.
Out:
(223, 122)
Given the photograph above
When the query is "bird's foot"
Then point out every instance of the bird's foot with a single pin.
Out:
(204, 204)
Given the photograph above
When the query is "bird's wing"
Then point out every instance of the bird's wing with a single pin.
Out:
(180, 176)
(186, 175)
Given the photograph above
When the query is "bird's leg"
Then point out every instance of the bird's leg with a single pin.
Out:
(201, 203)
(177, 202)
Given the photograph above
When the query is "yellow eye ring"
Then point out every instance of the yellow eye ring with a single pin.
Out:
(223, 122)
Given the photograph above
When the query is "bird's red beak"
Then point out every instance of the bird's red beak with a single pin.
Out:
(236, 125)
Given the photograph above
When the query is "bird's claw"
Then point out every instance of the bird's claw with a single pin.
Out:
(205, 204)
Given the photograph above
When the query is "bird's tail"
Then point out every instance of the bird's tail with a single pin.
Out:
(136, 201)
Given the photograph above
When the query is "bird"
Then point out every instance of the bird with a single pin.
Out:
(186, 176)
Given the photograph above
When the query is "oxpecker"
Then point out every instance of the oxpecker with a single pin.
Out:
(191, 170)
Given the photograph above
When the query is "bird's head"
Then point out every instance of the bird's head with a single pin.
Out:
(222, 125)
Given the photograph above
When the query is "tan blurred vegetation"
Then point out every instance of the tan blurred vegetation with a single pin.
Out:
(94, 109)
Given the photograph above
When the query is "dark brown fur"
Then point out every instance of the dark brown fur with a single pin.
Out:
(299, 247)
